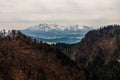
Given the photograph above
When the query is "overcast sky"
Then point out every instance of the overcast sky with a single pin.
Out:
(23, 13)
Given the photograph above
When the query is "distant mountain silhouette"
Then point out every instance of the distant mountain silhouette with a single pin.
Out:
(57, 33)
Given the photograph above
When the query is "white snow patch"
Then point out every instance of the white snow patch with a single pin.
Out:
(48, 27)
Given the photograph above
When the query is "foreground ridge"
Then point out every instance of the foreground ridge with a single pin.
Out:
(22, 58)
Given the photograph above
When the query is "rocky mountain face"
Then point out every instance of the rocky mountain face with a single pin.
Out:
(22, 58)
(57, 33)
(98, 52)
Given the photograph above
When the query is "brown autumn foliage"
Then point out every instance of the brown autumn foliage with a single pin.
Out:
(22, 58)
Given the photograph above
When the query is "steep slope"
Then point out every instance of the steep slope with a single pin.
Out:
(22, 58)
(99, 53)
(104, 40)
(57, 33)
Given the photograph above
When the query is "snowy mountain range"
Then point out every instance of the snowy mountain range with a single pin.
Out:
(49, 27)
(57, 33)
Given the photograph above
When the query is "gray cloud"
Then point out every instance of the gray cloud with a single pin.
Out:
(21, 14)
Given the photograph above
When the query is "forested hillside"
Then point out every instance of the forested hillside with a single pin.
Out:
(22, 58)
(95, 57)
(98, 52)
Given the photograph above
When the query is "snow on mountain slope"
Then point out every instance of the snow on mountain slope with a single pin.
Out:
(57, 33)
(49, 27)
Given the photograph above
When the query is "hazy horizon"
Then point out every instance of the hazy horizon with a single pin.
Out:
(16, 14)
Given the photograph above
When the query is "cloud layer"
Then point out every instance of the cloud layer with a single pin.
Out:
(22, 13)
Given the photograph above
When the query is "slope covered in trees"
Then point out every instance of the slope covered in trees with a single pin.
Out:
(96, 57)
(98, 53)
(22, 58)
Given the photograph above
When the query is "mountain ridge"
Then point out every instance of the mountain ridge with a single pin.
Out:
(98, 52)
(49, 27)
(57, 33)
(95, 57)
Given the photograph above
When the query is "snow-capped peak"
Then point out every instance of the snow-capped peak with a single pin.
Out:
(49, 27)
